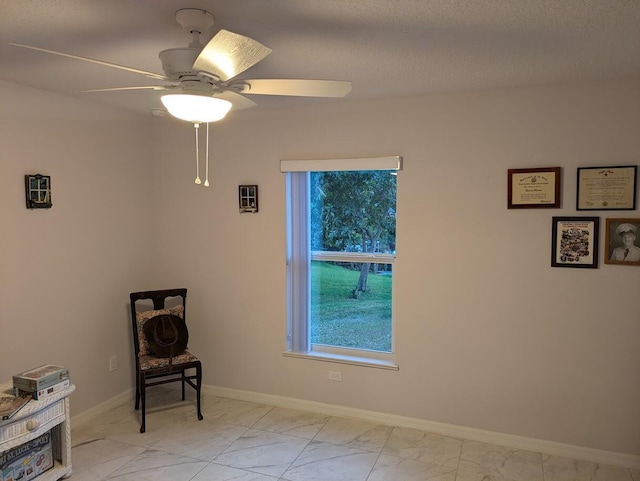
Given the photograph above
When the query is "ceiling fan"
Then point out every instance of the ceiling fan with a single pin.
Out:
(202, 85)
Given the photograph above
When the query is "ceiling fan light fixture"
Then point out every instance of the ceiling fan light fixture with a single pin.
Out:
(196, 108)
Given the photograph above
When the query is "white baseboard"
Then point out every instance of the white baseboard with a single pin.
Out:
(451, 430)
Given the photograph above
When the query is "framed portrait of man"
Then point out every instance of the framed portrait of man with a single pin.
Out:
(621, 243)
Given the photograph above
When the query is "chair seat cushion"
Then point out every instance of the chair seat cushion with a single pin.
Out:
(153, 362)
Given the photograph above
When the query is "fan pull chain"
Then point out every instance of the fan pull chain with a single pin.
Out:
(197, 181)
(206, 175)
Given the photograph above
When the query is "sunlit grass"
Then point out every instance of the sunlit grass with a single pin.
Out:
(337, 319)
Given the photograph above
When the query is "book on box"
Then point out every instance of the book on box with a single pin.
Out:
(40, 377)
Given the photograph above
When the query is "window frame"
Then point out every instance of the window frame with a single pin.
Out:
(299, 263)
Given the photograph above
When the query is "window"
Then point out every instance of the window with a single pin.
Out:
(341, 233)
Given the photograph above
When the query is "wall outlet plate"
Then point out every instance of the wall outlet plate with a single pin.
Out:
(113, 363)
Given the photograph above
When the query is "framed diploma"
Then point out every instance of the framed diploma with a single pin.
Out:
(607, 188)
(575, 242)
(534, 188)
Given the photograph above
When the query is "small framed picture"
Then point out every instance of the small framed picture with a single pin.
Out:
(37, 188)
(607, 188)
(248, 198)
(574, 242)
(534, 188)
(621, 242)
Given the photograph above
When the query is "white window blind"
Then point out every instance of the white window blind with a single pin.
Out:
(328, 165)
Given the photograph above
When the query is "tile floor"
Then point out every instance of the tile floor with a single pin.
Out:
(244, 441)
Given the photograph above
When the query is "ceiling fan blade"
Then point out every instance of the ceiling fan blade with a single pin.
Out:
(293, 87)
(92, 60)
(228, 54)
(143, 87)
(238, 101)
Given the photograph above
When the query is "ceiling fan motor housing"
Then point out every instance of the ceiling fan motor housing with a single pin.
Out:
(177, 63)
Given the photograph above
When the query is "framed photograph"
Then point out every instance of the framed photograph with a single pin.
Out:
(607, 188)
(621, 242)
(248, 198)
(534, 188)
(575, 242)
(37, 189)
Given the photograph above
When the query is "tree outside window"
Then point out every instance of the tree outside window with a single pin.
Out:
(352, 243)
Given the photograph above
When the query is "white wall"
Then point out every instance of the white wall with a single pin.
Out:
(66, 272)
(488, 334)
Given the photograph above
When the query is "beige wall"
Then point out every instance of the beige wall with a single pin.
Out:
(488, 335)
(66, 272)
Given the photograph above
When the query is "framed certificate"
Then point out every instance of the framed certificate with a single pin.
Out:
(607, 188)
(534, 188)
(575, 242)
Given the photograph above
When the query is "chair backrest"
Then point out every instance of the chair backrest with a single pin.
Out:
(141, 311)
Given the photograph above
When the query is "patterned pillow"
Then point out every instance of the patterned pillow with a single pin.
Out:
(144, 316)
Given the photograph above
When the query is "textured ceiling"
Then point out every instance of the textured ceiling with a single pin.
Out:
(387, 48)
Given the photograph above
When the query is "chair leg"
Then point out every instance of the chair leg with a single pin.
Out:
(143, 387)
(198, 389)
(184, 376)
(137, 385)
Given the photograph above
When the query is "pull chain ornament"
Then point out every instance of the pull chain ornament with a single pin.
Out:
(197, 181)
(206, 175)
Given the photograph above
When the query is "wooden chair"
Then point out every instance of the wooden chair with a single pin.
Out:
(152, 370)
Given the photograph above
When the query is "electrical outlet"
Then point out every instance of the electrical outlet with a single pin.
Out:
(335, 376)
(113, 363)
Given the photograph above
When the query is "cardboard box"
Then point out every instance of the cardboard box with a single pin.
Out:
(28, 460)
(43, 393)
(40, 377)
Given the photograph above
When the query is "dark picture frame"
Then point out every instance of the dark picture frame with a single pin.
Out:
(574, 242)
(37, 189)
(537, 188)
(616, 252)
(248, 199)
(607, 188)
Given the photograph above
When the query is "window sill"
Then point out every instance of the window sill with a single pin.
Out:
(341, 359)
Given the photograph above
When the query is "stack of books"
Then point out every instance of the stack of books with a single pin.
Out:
(37, 383)
(42, 381)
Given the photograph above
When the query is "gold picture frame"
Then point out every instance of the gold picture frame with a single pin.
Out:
(620, 247)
